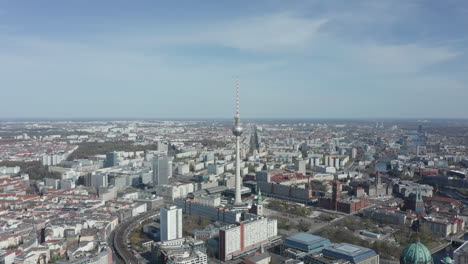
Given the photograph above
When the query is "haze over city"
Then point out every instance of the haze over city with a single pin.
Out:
(294, 59)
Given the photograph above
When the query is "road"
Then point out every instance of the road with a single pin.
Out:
(118, 237)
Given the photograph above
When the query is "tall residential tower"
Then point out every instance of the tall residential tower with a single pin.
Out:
(171, 223)
(237, 131)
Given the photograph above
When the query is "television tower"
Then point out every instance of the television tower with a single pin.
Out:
(237, 131)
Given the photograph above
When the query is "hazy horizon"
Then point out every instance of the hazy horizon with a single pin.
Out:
(245, 119)
(295, 60)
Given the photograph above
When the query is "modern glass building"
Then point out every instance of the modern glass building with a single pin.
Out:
(161, 170)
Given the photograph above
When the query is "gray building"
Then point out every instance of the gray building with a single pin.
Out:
(96, 180)
(118, 181)
(160, 170)
(111, 159)
(263, 176)
(352, 253)
(300, 166)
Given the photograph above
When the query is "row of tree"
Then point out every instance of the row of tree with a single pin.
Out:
(90, 148)
(35, 169)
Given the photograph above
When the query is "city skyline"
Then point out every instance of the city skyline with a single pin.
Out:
(307, 59)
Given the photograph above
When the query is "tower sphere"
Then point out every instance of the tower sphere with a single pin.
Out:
(237, 131)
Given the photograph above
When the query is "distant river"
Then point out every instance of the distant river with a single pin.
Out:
(416, 141)
(444, 252)
(381, 165)
(452, 193)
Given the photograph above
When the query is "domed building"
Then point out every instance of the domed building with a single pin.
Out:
(416, 253)
(447, 260)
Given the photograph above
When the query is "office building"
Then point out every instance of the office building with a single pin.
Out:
(215, 213)
(111, 159)
(160, 170)
(174, 191)
(171, 223)
(96, 180)
(300, 166)
(301, 194)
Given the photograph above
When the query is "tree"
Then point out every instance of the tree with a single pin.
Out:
(34, 169)
(303, 226)
(87, 149)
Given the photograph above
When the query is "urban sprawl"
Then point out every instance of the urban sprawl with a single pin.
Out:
(197, 192)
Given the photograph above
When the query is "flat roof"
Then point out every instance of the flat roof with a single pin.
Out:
(349, 252)
(462, 248)
(305, 238)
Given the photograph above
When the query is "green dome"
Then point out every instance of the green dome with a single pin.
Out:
(447, 260)
(416, 253)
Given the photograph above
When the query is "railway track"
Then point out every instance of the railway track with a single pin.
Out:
(120, 237)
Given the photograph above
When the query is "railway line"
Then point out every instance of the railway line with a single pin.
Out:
(119, 237)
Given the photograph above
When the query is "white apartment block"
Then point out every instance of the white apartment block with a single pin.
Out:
(171, 223)
(246, 235)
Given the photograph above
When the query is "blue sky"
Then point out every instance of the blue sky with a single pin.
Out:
(179, 59)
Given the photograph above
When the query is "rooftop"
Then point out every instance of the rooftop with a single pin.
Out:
(305, 238)
(348, 252)
(462, 248)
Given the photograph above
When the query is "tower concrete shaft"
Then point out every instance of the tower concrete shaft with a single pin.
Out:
(238, 198)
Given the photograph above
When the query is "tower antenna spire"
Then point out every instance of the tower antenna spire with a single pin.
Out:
(237, 99)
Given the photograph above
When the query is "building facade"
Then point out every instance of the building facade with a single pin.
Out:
(171, 223)
(161, 170)
(244, 236)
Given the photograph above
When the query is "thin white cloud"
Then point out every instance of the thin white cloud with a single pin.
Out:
(409, 58)
(269, 33)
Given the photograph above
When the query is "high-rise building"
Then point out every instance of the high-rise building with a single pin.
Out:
(48, 160)
(353, 153)
(161, 170)
(111, 159)
(246, 235)
(255, 140)
(171, 223)
(237, 131)
(169, 167)
(300, 166)
(96, 180)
